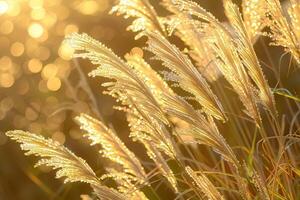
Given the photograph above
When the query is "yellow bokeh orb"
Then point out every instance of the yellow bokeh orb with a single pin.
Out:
(5, 64)
(17, 49)
(53, 84)
(6, 27)
(38, 14)
(34, 4)
(70, 28)
(88, 7)
(3, 7)
(137, 51)
(65, 51)
(14, 8)
(6, 80)
(49, 71)
(35, 30)
(35, 65)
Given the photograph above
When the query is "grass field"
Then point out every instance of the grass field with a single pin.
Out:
(138, 99)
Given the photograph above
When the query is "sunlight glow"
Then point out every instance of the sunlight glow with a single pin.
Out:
(3, 7)
(35, 30)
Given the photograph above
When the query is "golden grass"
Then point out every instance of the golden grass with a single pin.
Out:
(183, 137)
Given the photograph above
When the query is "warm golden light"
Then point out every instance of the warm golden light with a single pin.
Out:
(49, 71)
(35, 65)
(53, 84)
(71, 28)
(88, 7)
(137, 51)
(35, 30)
(38, 14)
(14, 9)
(5, 63)
(190, 101)
(65, 52)
(43, 86)
(6, 27)
(36, 3)
(17, 49)
(6, 80)
(3, 7)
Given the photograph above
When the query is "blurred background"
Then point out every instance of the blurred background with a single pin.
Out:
(42, 89)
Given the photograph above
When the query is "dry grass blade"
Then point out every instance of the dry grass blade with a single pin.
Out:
(232, 68)
(146, 119)
(203, 130)
(282, 32)
(112, 147)
(161, 163)
(261, 186)
(294, 13)
(168, 100)
(188, 77)
(191, 33)
(129, 87)
(53, 154)
(192, 8)
(205, 185)
(111, 66)
(146, 16)
(140, 130)
(196, 150)
(127, 183)
(67, 164)
(254, 14)
(229, 62)
(156, 84)
(106, 193)
(248, 56)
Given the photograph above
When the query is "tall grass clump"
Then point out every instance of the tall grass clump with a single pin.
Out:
(202, 141)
